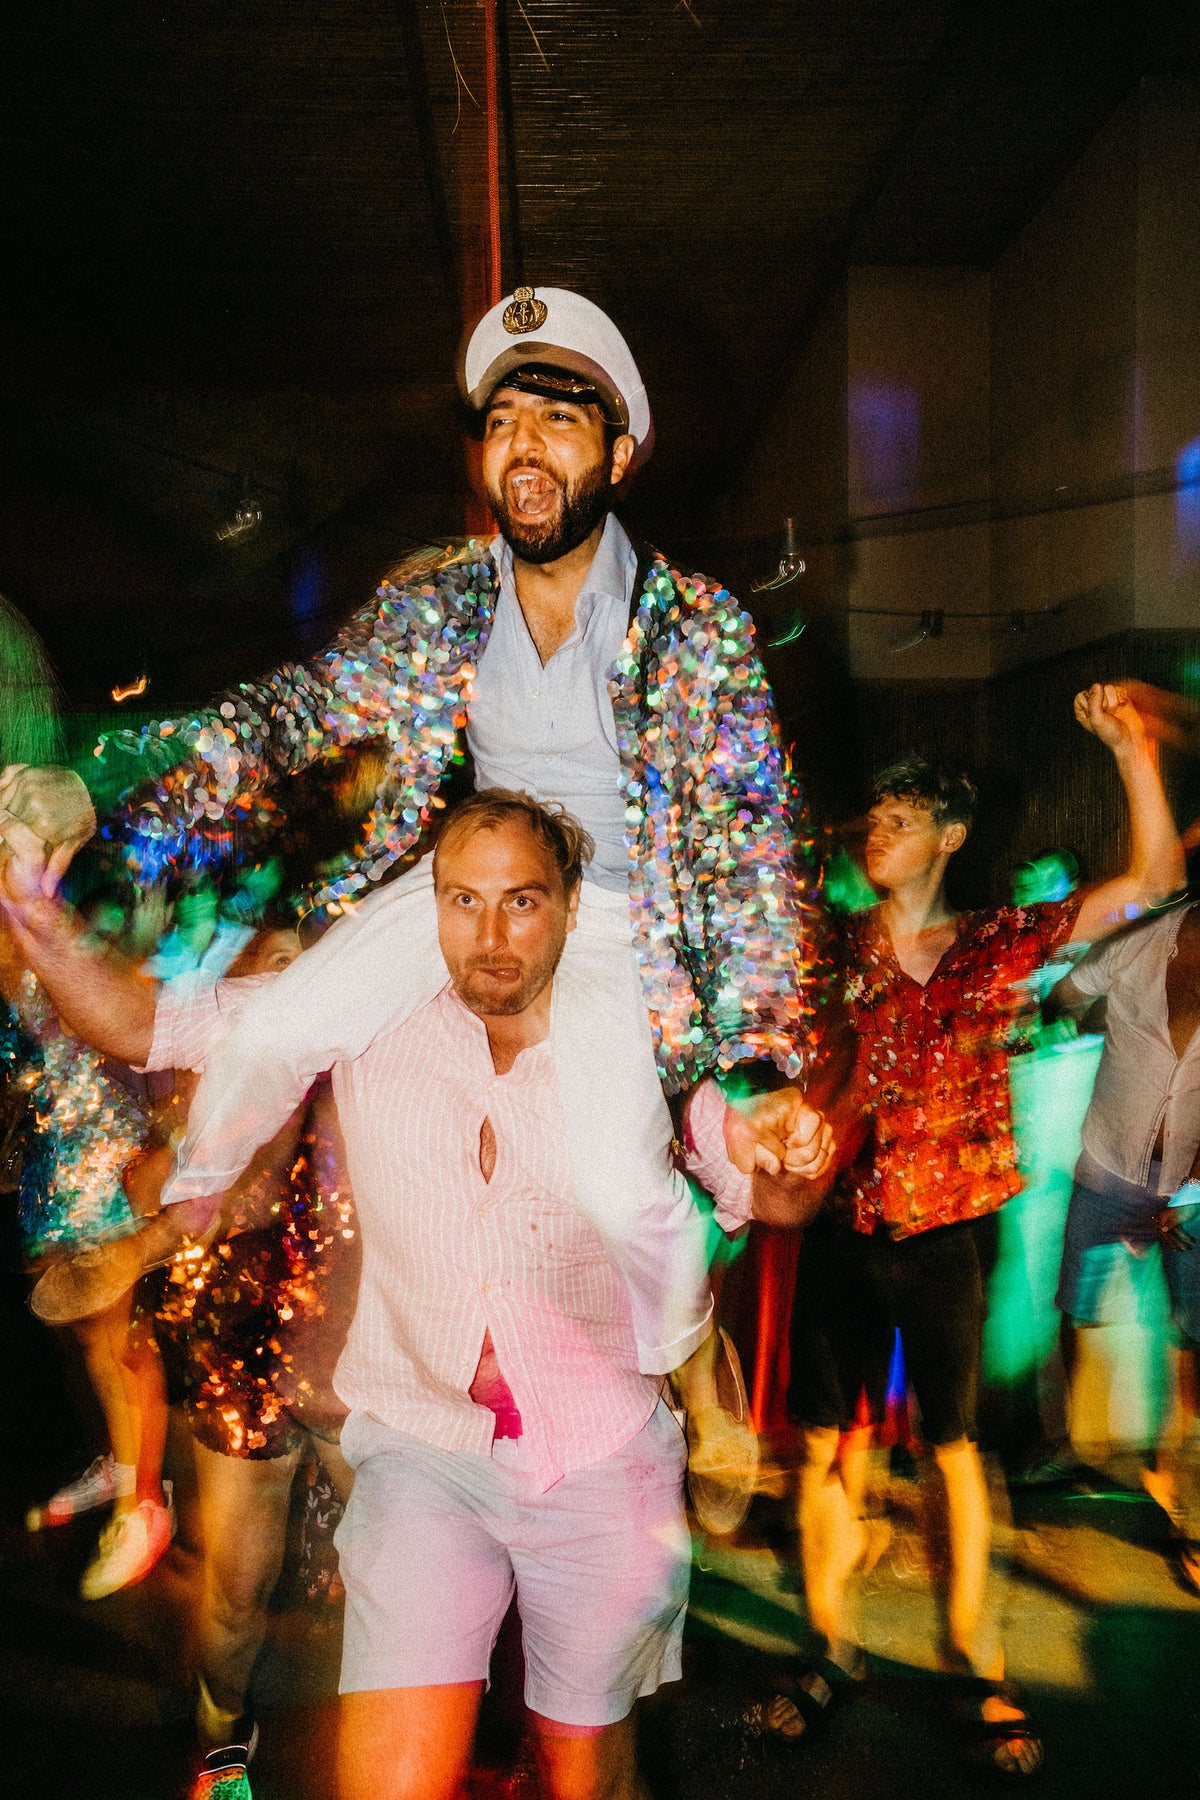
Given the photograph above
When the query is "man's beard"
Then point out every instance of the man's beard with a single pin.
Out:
(581, 508)
(486, 1003)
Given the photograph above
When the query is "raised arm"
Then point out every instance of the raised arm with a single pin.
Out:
(395, 672)
(1120, 715)
(368, 972)
(98, 995)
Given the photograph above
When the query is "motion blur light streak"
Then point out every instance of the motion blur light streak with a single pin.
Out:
(1050, 1093)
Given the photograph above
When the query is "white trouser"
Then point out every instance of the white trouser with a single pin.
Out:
(376, 968)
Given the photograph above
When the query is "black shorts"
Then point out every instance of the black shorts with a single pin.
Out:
(853, 1293)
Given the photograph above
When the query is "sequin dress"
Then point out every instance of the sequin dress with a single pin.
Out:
(84, 1127)
(251, 1327)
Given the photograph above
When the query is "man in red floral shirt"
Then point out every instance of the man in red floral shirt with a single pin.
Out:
(934, 999)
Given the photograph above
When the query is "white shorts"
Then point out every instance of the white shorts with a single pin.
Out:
(434, 1543)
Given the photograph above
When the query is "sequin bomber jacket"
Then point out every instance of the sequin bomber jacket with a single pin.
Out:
(721, 917)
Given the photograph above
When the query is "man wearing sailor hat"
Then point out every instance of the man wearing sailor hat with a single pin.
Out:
(590, 674)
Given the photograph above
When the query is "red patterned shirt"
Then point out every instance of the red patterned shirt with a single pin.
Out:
(931, 1072)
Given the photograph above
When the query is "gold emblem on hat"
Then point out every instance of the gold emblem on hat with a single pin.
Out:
(523, 313)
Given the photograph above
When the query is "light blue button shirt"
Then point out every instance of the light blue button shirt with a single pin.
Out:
(549, 729)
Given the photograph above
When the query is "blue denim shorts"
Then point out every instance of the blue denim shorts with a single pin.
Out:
(1110, 1235)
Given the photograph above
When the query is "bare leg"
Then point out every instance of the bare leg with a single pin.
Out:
(1001, 1737)
(969, 1521)
(831, 1533)
(710, 1443)
(123, 1363)
(599, 1765)
(95, 1337)
(722, 1444)
(244, 1510)
(407, 1743)
(832, 1541)
(1181, 1416)
(695, 1381)
(135, 1351)
(1172, 1482)
(854, 1461)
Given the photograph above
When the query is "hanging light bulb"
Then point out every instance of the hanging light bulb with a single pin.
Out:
(791, 563)
(247, 514)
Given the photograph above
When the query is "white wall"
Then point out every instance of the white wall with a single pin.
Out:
(1063, 316)
(1167, 419)
(1061, 389)
(917, 439)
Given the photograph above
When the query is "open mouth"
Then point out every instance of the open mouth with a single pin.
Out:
(532, 494)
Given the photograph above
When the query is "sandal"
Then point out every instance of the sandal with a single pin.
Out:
(1011, 1748)
(799, 1708)
(722, 1468)
(1183, 1547)
(1185, 1555)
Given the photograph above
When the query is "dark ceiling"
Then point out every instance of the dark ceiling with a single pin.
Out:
(233, 243)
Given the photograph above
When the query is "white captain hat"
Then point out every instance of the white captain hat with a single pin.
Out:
(534, 333)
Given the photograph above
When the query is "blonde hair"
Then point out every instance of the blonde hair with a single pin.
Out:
(551, 824)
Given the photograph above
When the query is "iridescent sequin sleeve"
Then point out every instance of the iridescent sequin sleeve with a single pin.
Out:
(756, 959)
(396, 672)
(718, 876)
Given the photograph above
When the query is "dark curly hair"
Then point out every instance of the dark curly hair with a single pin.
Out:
(948, 796)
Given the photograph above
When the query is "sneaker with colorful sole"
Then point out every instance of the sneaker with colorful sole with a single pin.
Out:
(129, 1547)
(95, 1487)
(222, 1775)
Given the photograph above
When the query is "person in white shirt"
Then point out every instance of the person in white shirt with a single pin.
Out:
(503, 1435)
(1135, 1190)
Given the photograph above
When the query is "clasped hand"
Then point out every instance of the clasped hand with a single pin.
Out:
(779, 1133)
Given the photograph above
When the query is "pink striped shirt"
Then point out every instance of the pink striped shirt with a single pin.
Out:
(448, 1257)
(193, 1012)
